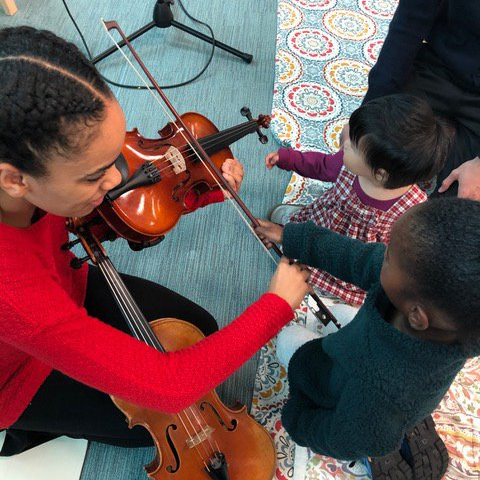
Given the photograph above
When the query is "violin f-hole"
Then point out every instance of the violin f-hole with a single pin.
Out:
(233, 423)
(171, 444)
(175, 196)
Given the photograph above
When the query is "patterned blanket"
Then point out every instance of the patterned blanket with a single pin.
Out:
(325, 49)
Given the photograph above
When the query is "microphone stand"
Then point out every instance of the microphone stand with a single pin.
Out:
(163, 18)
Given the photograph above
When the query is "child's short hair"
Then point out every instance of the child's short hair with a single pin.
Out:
(440, 251)
(401, 134)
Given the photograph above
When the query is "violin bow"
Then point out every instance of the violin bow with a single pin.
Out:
(322, 312)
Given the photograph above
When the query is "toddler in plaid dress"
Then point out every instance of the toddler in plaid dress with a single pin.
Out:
(391, 144)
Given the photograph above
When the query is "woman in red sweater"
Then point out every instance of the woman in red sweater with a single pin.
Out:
(63, 346)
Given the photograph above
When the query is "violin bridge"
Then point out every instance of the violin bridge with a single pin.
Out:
(200, 437)
(176, 160)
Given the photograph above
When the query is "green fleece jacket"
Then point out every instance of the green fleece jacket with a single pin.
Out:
(356, 392)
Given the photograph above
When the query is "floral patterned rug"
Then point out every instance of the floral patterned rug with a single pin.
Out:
(325, 49)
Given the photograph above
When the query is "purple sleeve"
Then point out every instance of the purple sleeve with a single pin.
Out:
(319, 166)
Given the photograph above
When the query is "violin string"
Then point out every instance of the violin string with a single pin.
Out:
(170, 164)
(144, 333)
(201, 426)
(204, 431)
(205, 145)
(207, 167)
(147, 332)
(232, 202)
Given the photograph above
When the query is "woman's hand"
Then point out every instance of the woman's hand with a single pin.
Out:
(468, 177)
(271, 160)
(269, 232)
(290, 282)
(232, 171)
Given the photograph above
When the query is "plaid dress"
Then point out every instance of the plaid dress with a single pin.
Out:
(341, 210)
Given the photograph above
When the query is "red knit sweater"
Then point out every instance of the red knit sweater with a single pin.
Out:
(43, 326)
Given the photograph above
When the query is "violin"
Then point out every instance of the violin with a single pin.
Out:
(158, 174)
(206, 440)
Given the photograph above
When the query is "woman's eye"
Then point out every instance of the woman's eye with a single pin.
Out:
(96, 179)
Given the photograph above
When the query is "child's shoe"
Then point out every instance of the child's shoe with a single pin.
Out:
(389, 467)
(425, 451)
(282, 213)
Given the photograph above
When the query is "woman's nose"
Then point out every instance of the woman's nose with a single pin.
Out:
(112, 178)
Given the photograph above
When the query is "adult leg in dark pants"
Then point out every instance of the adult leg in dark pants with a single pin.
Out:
(433, 81)
(63, 406)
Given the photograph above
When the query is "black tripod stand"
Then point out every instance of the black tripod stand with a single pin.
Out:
(163, 18)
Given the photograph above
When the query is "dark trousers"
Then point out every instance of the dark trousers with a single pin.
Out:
(433, 81)
(63, 406)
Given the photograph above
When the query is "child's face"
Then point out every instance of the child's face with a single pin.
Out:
(354, 160)
(393, 278)
(417, 318)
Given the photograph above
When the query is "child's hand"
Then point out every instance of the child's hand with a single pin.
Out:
(232, 171)
(271, 160)
(269, 232)
(290, 282)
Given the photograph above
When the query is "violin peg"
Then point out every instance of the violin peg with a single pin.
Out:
(245, 112)
(69, 245)
(77, 263)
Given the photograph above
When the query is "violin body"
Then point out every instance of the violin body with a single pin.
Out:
(205, 441)
(159, 206)
(248, 449)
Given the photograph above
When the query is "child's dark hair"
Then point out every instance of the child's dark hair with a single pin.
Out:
(440, 247)
(48, 89)
(401, 134)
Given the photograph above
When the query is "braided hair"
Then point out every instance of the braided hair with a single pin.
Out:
(48, 92)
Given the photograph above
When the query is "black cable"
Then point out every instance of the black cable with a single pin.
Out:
(143, 87)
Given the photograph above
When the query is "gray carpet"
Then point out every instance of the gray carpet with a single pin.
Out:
(210, 257)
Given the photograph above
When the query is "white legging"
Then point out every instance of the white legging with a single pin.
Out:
(291, 338)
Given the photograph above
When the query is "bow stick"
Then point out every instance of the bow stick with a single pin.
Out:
(322, 312)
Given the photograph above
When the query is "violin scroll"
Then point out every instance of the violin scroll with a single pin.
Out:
(263, 121)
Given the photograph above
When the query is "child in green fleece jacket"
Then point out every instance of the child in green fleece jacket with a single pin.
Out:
(355, 393)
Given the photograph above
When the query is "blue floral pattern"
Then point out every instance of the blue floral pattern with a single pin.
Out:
(324, 51)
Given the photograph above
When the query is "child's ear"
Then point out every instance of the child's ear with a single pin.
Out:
(418, 317)
(381, 176)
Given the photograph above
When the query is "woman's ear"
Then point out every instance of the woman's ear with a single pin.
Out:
(12, 180)
(381, 176)
(418, 318)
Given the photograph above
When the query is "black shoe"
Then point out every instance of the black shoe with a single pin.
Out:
(390, 467)
(428, 455)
